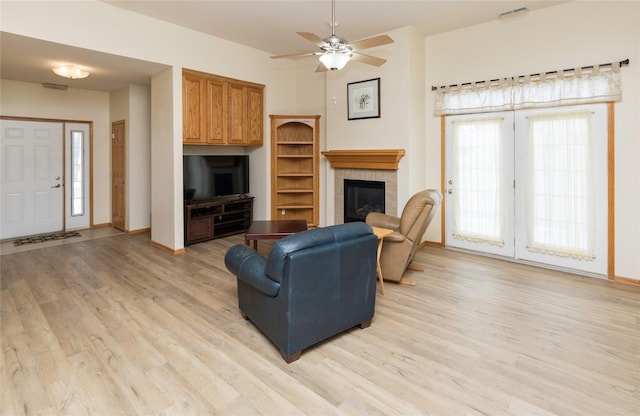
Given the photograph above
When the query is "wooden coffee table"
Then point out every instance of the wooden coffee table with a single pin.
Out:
(272, 230)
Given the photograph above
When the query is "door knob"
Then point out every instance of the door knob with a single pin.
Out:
(56, 185)
(449, 191)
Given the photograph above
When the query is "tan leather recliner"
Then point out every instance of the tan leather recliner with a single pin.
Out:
(399, 248)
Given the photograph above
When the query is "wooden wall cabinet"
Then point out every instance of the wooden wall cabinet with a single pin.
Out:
(221, 111)
(215, 119)
(193, 109)
(295, 164)
(255, 115)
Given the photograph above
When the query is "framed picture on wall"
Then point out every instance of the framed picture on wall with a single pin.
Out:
(363, 99)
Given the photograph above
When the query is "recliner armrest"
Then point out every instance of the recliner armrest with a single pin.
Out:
(395, 237)
(378, 219)
(249, 266)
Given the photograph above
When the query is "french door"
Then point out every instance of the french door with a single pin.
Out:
(479, 194)
(530, 185)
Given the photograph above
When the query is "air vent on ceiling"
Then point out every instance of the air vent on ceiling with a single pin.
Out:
(513, 13)
(55, 86)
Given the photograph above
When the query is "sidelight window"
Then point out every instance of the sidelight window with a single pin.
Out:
(77, 173)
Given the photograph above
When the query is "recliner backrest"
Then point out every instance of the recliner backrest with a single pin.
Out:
(418, 213)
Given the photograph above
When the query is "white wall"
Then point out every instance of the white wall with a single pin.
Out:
(139, 158)
(133, 105)
(26, 99)
(401, 109)
(565, 36)
(166, 215)
(310, 83)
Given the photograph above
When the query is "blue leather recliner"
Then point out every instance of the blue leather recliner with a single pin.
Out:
(314, 284)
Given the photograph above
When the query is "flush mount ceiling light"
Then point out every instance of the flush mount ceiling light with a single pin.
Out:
(70, 71)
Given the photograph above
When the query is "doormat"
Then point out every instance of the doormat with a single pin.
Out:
(61, 235)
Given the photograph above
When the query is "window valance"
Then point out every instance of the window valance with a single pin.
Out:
(565, 87)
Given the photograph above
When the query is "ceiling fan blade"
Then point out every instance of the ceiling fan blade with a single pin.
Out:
(321, 68)
(367, 59)
(293, 55)
(370, 42)
(312, 37)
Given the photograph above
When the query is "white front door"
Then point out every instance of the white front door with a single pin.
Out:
(31, 178)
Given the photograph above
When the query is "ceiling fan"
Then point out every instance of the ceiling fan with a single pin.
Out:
(335, 52)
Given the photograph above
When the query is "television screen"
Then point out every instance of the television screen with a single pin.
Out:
(211, 176)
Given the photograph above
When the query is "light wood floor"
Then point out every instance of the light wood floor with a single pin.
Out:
(116, 326)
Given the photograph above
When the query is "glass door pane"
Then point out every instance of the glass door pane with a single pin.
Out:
(77, 173)
(479, 176)
(561, 187)
(77, 176)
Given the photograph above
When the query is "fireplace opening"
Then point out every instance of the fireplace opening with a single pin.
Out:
(361, 198)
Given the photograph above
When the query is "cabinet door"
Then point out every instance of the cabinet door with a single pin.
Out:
(255, 116)
(193, 119)
(215, 117)
(200, 229)
(236, 113)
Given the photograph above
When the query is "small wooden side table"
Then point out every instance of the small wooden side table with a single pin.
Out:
(381, 233)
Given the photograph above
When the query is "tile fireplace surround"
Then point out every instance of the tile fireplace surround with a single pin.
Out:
(367, 165)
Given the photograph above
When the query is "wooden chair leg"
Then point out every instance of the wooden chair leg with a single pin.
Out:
(415, 267)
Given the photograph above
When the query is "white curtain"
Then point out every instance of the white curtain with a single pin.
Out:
(559, 193)
(565, 87)
(477, 177)
(475, 98)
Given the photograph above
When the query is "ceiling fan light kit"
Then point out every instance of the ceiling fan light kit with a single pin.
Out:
(336, 52)
(334, 61)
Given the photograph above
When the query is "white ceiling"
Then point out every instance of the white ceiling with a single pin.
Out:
(266, 25)
(30, 60)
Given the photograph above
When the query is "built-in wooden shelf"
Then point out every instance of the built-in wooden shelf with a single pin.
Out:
(295, 168)
(384, 159)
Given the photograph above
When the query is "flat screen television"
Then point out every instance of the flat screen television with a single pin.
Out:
(210, 176)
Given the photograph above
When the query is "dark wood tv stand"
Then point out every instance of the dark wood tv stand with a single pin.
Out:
(219, 217)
